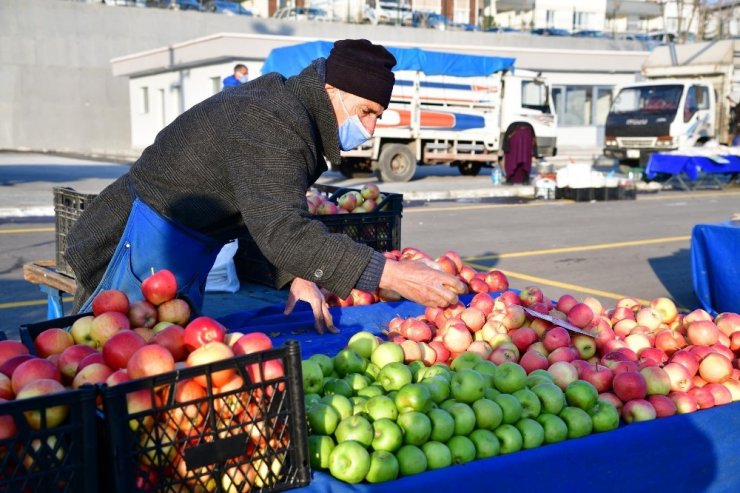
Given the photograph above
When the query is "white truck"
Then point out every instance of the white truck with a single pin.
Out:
(684, 101)
(445, 108)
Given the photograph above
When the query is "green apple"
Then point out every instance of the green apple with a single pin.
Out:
(381, 406)
(488, 414)
(490, 393)
(464, 417)
(509, 377)
(347, 361)
(438, 455)
(467, 385)
(416, 426)
(394, 375)
(356, 381)
(319, 450)
(604, 416)
(465, 360)
(337, 386)
(322, 419)
(462, 449)
(371, 391)
(443, 425)
(531, 405)
(440, 370)
(533, 380)
(555, 428)
(383, 467)
(341, 404)
(363, 343)
(372, 371)
(413, 397)
(445, 404)
(387, 435)
(310, 399)
(551, 397)
(487, 369)
(438, 387)
(415, 366)
(349, 462)
(486, 444)
(509, 437)
(511, 408)
(411, 460)
(325, 363)
(578, 421)
(358, 404)
(581, 394)
(355, 428)
(385, 353)
(533, 433)
(313, 378)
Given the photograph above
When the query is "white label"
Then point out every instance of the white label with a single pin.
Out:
(633, 154)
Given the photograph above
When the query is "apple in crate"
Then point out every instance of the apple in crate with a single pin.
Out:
(55, 415)
(150, 360)
(7, 423)
(81, 331)
(142, 314)
(34, 369)
(52, 341)
(105, 325)
(172, 337)
(111, 300)
(120, 347)
(92, 374)
(9, 349)
(176, 311)
(201, 331)
(160, 287)
(209, 353)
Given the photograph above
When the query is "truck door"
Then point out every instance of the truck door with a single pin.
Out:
(697, 116)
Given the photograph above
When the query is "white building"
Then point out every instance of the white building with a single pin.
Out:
(569, 15)
(165, 82)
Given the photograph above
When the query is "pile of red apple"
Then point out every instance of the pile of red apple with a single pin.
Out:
(374, 416)
(648, 361)
(493, 281)
(358, 202)
(123, 341)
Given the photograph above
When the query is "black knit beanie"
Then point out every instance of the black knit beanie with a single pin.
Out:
(361, 68)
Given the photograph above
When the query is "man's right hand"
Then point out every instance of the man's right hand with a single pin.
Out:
(418, 282)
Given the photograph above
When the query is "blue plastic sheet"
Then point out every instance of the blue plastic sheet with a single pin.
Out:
(290, 60)
(715, 266)
(690, 453)
(676, 164)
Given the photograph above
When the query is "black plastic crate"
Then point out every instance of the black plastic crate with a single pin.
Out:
(29, 332)
(579, 194)
(69, 205)
(253, 437)
(627, 193)
(62, 458)
(380, 230)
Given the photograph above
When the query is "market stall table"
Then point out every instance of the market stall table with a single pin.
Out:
(715, 266)
(693, 166)
(687, 453)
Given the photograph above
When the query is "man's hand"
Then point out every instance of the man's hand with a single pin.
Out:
(416, 281)
(300, 289)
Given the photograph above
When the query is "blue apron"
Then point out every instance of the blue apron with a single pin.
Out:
(152, 241)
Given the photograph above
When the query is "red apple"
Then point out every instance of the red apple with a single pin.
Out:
(496, 281)
(52, 341)
(669, 341)
(704, 398)
(685, 402)
(565, 303)
(92, 374)
(666, 307)
(679, 376)
(688, 360)
(581, 315)
(622, 313)
(7, 423)
(728, 322)
(629, 385)
(637, 342)
(657, 380)
(654, 354)
(9, 349)
(721, 394)
(523, 337)
(171, 337)
(176, 311)
(160, 287)
(120, 347)
(6, 388)
(54, 415)
(696, 315)
(612, 399)
(481, 301)
(150, 360)
(117, 377)
(703, 333)
(252, 342)
(563, 353)
(70, 359)
(105, 325)
(33, 369)
(649, 317)
(555, 338)
(533, 360)
(457, 338)
(599, 376)
(715, 368)
(208, 353)
(638, 410)
(142, 314)
(474, 318)
(443, 354)
(663, 405)
(110, 300)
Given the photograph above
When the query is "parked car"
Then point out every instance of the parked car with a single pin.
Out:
(550, 31)
(589, 34)
(228, 8)
(431, 20)
(502, 29)
(303, 14)
(187, 5)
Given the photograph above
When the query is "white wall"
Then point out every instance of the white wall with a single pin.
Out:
(587, 14)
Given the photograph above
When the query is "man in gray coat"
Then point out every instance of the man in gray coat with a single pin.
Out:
(242, 160)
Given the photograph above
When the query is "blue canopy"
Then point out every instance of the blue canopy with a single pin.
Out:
(290, 60)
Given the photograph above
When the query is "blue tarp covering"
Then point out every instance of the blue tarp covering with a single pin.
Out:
(691, 165)
(687, 453)
(290, 60)
(715, 266)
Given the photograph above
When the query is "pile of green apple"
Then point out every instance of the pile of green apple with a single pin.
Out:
(373, 418)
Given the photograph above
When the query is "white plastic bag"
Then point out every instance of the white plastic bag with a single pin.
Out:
(222, 276)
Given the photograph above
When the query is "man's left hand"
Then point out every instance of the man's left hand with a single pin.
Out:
(307, 291)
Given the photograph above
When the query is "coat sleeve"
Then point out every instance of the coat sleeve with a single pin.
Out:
(269, 171)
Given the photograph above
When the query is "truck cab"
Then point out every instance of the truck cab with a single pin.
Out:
(659, 115)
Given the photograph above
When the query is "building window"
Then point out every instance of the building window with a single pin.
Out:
(550, 18)
(215, 85)
(145, 100)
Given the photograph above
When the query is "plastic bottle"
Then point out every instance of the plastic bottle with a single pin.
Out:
(496, 175)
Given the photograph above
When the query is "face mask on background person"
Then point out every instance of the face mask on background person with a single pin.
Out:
(352, 132)
(243, 78)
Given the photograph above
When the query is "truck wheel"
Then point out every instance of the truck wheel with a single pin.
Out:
(396, 163)
(469, 169)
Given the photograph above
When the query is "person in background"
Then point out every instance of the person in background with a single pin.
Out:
(240, 76)
(241, 162)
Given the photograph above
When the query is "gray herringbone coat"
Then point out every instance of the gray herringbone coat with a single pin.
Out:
(243, 158)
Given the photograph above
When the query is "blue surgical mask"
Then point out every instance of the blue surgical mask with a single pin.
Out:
(352, 133)
(243, 78)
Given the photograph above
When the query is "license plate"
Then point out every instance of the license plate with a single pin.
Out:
(633, 154)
